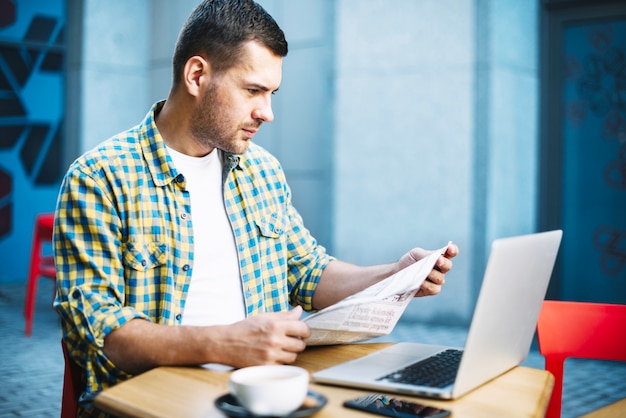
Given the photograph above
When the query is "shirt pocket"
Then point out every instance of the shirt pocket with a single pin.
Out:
(271, 224)
(271, 254)
(271, 247)
(144, 256)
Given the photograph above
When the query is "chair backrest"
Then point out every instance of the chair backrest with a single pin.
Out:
(582, 330)
(40, 266)
(72, 386)
(44, 226)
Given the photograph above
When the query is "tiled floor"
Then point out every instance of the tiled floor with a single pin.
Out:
(31, 369)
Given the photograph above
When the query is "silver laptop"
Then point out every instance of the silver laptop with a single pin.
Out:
(500, 335)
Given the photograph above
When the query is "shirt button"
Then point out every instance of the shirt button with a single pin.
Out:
(180, 178)
(143, 263)
(179, 317)
(186, 267)
(183, 215)
(75, 294)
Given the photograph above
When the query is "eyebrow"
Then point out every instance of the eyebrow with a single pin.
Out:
(261, 87)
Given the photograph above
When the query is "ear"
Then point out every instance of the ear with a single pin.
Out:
(196, 68)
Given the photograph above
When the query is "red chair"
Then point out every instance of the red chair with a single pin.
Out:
(71, 386)
(40, 265)
(582, 330)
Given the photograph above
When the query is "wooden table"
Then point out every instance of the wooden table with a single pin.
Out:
(190, 391)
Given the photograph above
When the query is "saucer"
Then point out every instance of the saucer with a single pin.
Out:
(229, 405)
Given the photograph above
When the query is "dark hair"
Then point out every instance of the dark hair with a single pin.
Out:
(217, 29)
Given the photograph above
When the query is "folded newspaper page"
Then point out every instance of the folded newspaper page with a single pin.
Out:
(372, 312)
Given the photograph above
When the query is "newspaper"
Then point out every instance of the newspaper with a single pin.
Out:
(372, 312)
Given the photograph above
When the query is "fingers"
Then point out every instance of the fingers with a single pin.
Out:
(295, 313)
(429, 288)
(416, 254)
(452, 251)
(443, 265)
(437, 277)
(288, 323)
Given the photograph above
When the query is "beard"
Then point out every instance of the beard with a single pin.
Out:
(212, 125)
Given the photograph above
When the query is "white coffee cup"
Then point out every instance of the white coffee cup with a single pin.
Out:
(270, 390)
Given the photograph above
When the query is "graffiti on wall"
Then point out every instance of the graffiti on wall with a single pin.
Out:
(32, 55)
(594, 65)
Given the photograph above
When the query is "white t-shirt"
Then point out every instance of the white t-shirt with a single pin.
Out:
(215, 295)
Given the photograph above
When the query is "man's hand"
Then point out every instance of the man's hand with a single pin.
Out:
(270, 338)
(437, 277)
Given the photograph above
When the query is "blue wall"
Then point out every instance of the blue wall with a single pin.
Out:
(32, 108)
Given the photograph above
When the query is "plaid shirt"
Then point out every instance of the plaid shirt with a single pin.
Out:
(123, 242)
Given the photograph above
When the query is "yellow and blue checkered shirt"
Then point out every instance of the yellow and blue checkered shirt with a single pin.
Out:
(123, 242)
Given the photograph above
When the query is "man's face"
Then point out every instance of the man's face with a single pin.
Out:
(234, 104)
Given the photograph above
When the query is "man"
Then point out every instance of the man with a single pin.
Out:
(176, 242)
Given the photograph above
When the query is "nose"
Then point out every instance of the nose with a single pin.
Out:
(263, 112)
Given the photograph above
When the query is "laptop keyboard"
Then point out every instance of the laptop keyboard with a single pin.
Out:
(436, 371)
